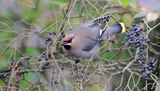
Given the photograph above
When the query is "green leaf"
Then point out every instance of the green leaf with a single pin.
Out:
(31, 77)
(116, 1)
(125, 2)
(133, 4)
(31, 51)
(4, 63)
(27, 3)
(24, 84)
(2, 83)
(127, 19)
(95, 87)
(116, 55)
(67, 86)
(58, 3)
(6, 35)
(139, 15)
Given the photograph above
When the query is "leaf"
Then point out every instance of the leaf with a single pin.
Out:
(127, 19)
(4, 63)
(125, 2)
(6, 35)
(31, 51)
(27, 3)
(60, 3)
(95, 87)
(31, 76)
(116, 1)
(2, 83)
(133, 4)
(139, 15)
(67, 86)
(24, 84)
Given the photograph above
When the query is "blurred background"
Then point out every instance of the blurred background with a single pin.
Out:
(32, 59)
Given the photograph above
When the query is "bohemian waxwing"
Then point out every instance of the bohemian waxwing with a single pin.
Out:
(83, 41)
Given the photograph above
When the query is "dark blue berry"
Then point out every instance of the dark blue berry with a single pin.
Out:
(48, 39)
(52, 33)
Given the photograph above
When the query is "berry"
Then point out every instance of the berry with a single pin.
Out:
(148, 67)
(136, 39)
(50, 39)
(52, 33)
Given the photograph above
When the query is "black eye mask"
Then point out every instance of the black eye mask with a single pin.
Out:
(66, 44)
(67, 47)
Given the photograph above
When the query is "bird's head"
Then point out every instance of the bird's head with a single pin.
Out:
(67, 41)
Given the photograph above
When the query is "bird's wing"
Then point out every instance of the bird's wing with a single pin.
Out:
(94, 52)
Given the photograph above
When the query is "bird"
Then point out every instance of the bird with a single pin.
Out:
(83, 41)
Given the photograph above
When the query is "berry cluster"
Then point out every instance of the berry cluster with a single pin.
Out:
(136, 38)
(49, 40)
(44, 56)
(148, 67)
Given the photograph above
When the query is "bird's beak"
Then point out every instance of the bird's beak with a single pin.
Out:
(66, 44)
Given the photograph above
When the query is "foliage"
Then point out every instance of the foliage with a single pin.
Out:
(32, 58)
